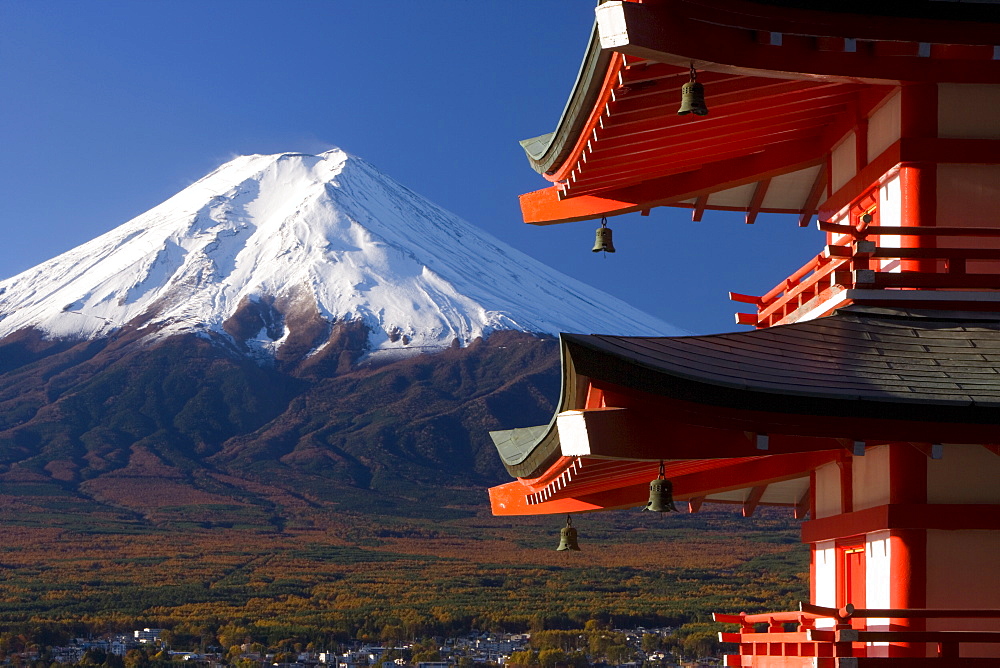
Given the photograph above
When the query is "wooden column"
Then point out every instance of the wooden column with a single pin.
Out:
(918, 180)
(907, 547)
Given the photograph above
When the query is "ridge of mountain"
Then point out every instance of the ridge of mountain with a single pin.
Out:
(272, 252)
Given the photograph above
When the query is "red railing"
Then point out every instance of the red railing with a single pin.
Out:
(842, 645)
(851, 262)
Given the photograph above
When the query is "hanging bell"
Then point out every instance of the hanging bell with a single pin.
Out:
(567, 537)
(603, 241)
(693, 99)
(661, 495)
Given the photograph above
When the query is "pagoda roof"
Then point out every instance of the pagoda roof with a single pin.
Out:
(765, 405)
(783, 85)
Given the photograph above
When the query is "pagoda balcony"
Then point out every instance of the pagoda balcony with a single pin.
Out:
(830, 637)
(881, 265)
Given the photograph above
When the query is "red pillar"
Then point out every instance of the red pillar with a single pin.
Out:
(907, 465)
(907, 547)
(918, 181)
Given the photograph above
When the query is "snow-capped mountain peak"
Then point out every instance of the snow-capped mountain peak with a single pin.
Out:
(268, 243)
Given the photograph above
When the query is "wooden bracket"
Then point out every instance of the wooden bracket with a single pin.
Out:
(802, 505)
(812, 199)
(745, 299)
(756, 200)
(856, 448)
(699, 208)
(753, 499)
(932, 450)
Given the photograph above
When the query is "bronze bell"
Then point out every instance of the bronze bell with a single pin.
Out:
(661, 495)
(603, 241)
(693, 99)
(567, 537)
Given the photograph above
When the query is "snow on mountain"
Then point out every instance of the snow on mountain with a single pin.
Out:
(323, 234)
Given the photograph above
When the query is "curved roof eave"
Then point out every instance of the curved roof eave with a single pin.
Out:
(547, 151)
(877, 354)
(527, 452)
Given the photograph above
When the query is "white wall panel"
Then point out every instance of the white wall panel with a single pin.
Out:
(970, 111)
(844, 162)
(883, 127)
(871, 478)
(828, 500)
(964, 474)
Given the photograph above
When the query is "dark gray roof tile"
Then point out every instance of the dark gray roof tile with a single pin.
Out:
(913, 368)
(858, 353)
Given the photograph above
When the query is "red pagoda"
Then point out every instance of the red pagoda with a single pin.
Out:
(867, 395)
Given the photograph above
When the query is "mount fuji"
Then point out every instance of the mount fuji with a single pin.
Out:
(270, 252)
(247, 350)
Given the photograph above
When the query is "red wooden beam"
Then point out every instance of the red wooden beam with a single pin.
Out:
(653, 149)
(947, 517)
(616, 492)
(727, 170)
(657, 119)
(750, 503)
(640, 71)
(631, 115)
(882, 279)
(678, 33)
(899, 230)
(912, 149)
(758, 198)
(636, 434)
(781, 426)
(749, 123)
(631, 95)
(745, 299)
(544, 207)
(511, 499)
(812, 199)
(632, 168)
(803, 506)
(699, 208)
(635, 168)
(760, 471)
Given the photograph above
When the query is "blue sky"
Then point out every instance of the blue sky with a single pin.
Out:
(111, 106)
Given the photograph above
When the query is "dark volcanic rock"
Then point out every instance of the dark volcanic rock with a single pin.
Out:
(107, 419)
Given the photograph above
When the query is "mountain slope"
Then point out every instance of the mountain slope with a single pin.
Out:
(183, 430)
(271, 251)
(247, 347)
